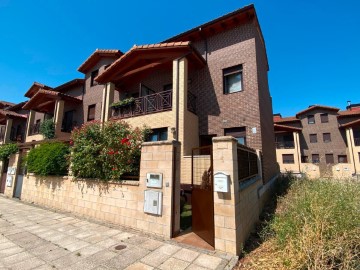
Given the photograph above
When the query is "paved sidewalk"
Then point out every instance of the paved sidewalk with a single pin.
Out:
(35, 238)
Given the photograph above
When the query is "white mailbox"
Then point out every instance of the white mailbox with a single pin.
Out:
(153, 202)
(221, 182)
(11, 170)
(9, 180)
(154, 180)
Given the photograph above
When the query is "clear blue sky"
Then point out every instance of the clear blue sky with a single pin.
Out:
(313, 46)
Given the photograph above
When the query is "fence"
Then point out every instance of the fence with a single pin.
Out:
(247, 163)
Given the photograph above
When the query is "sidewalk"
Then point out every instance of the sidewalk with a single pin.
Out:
(35, 238)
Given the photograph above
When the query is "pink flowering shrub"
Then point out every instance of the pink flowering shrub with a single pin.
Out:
(107, 152)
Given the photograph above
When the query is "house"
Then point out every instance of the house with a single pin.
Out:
(321, 141)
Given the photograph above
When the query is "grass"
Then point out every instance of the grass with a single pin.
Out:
(316, 225)
(186, 217)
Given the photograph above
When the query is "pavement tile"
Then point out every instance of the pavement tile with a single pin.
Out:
(139, 266)
(55, 254)
(151, 244)
(174, 264)
(76, 245)
(108, 243)
(31, 263)
(13, 259)
(208, 261)
(186, 255)
(10, 251)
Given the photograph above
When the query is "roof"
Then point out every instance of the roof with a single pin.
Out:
(12, 114)
(69, 85)
(146, 57)
(6, 104)
(278, 127)
(44, 100)
(286, 119)
(316, 107)
(17, 106)
(35, 87)
(96, 56)
(349, 113)
(351, 124)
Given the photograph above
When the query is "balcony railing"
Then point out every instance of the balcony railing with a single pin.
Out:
(158, 102)
(285, 145)
(191, 102)
(357, 141)
(35, 129)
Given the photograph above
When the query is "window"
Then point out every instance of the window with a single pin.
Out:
(324, 118)
(326, 137)
(288, 159)
(329, 158)
(93, 76)
(158, 134)
(313, 138)
(232, 79)
(315, 158)
(342, 159)
(239, 133)
(91, 112)
(304, 159)
(311, 119)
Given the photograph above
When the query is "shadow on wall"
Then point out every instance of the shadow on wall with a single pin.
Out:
(51, 182)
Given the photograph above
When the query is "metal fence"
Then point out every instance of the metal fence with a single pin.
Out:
(247, 163)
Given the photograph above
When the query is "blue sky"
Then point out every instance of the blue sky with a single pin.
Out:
(313, 46)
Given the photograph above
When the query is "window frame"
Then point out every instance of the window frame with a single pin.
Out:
(326, 140)
(342, 156)
(158, 132)
(88, 112)
(231, 71)
(313, 135)
(324, 118)
(93, 75)
(313, 160)
(288, 161)
(332, 159)
(308, 119)
(237, 133)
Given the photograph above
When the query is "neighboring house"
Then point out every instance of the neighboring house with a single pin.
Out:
(320, 141)
(209, 81)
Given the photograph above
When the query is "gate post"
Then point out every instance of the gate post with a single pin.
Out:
(225, 204)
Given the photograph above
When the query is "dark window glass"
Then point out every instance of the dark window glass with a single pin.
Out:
(342, 159)
(158, 134)
(329, 158)
(167, 87)
(324, 118)
(91, 112)
(93, 76)
(304, 159)
(326, 137)
(313, 138)
(239, 133)
(288, 159)
(315, 158)
(233, 79)
(311, 119)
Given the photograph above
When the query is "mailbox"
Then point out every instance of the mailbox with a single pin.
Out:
(154, 180)
(221, 182)
(153, 202)
(9, 180)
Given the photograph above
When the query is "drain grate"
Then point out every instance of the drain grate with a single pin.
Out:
(120, 247)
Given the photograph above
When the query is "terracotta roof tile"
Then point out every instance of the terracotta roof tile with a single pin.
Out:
(13, 114)
(36, 86)
(314, 107)
(69, 85)
(286, 119)
(285, 127)
(348, 113)
(96, 56)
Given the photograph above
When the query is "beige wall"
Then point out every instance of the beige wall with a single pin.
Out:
(342, 170)
(284, 167)
(311, 170)
(119, 203)
(13, 162)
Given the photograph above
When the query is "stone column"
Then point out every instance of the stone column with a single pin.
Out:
(58, 115)
(351, 144)
(8, 130)
(30, 122)
(107, 100)
(297, 149)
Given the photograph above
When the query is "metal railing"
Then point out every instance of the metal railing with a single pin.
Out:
(158, 102)
(35, 129)
(247, 163)
(285, 145)
(191, 102)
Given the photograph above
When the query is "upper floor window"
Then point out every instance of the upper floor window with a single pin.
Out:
(233, 79)
(315, 158)
(91, 112)
(93, 76)
(324, 118)
(313, 138)
(342, 159)
(326, 137)
(288, 159)
(239, 133)
(329, 158)
(311, 119)
(158, 134)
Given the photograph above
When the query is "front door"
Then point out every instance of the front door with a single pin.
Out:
(202, 201)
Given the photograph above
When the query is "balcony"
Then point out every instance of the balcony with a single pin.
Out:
(285, 145)
(357, 141)
(154, 103)
(35, 129)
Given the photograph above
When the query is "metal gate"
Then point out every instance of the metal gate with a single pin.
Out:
(202, 200)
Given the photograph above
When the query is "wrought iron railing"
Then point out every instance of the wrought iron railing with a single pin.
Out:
(285, 145)
(191, 102)
(247, 163)
(357, 141)
(158, 102)
(35, 128)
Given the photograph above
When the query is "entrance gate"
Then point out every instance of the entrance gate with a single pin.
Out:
(202, 200)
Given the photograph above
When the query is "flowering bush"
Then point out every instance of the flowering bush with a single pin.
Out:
(106, 152)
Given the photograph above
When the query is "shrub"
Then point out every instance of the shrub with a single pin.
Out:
(106, 152)
(48, 159)
(7, 150)
(47, 128)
